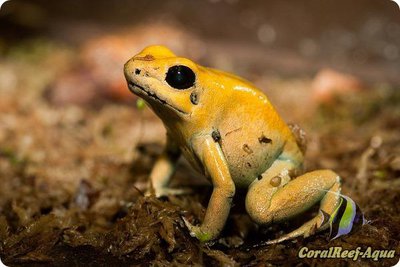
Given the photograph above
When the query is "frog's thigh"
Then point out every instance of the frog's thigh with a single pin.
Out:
(265, 205)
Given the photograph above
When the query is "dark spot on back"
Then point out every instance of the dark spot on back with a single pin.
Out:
(137, 71)
(238, 129)
(216, 136)
(259, 177)
(248, 164)
(247, 149)
(264, 139)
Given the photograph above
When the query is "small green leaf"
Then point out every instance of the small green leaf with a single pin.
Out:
(381, 174)
(140, 104)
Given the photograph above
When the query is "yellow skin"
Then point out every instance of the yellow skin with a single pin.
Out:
(228, 130)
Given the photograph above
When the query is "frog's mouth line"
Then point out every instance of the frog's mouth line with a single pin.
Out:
(132, 85)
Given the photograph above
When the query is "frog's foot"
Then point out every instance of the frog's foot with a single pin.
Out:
(195, 231)
(165, 191)
(306, 230)
(266, 206)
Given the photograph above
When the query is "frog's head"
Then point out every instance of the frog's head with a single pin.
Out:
(169, 84)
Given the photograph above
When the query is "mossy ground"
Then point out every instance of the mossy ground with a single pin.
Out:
(72, 179)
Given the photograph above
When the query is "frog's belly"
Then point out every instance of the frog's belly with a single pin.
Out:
(249, 154)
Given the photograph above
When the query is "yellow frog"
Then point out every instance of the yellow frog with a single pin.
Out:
(229, 131)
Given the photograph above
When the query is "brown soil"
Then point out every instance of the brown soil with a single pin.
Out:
(72, 178)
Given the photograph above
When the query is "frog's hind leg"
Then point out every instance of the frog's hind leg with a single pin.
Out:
(293, 198)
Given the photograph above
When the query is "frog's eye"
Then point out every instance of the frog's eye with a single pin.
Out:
(180, 77)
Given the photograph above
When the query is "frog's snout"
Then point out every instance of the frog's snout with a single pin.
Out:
(127, 70)
(130, 70)
(129, 73)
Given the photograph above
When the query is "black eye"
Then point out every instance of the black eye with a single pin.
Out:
(180, 77)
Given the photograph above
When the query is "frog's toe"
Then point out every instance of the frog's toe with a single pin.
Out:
(306, 230)
(195, 231)
(192, 229)
(172, 191)
(149, 193)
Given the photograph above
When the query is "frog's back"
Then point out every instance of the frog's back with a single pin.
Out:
(252, 134)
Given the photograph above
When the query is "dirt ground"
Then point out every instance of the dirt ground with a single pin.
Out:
(72, 177)
(75, 154)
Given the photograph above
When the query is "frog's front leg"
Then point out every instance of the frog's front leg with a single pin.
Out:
(163, 170)
(217, 212)
(276, 198)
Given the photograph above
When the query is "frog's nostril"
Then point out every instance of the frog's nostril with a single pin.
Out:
(137, 71)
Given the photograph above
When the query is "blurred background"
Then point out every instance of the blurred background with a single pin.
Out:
(251, 38)
(74, 145)
(257, 40)
(290, 37)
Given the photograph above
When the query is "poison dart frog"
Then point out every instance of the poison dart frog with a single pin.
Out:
(229, 131)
